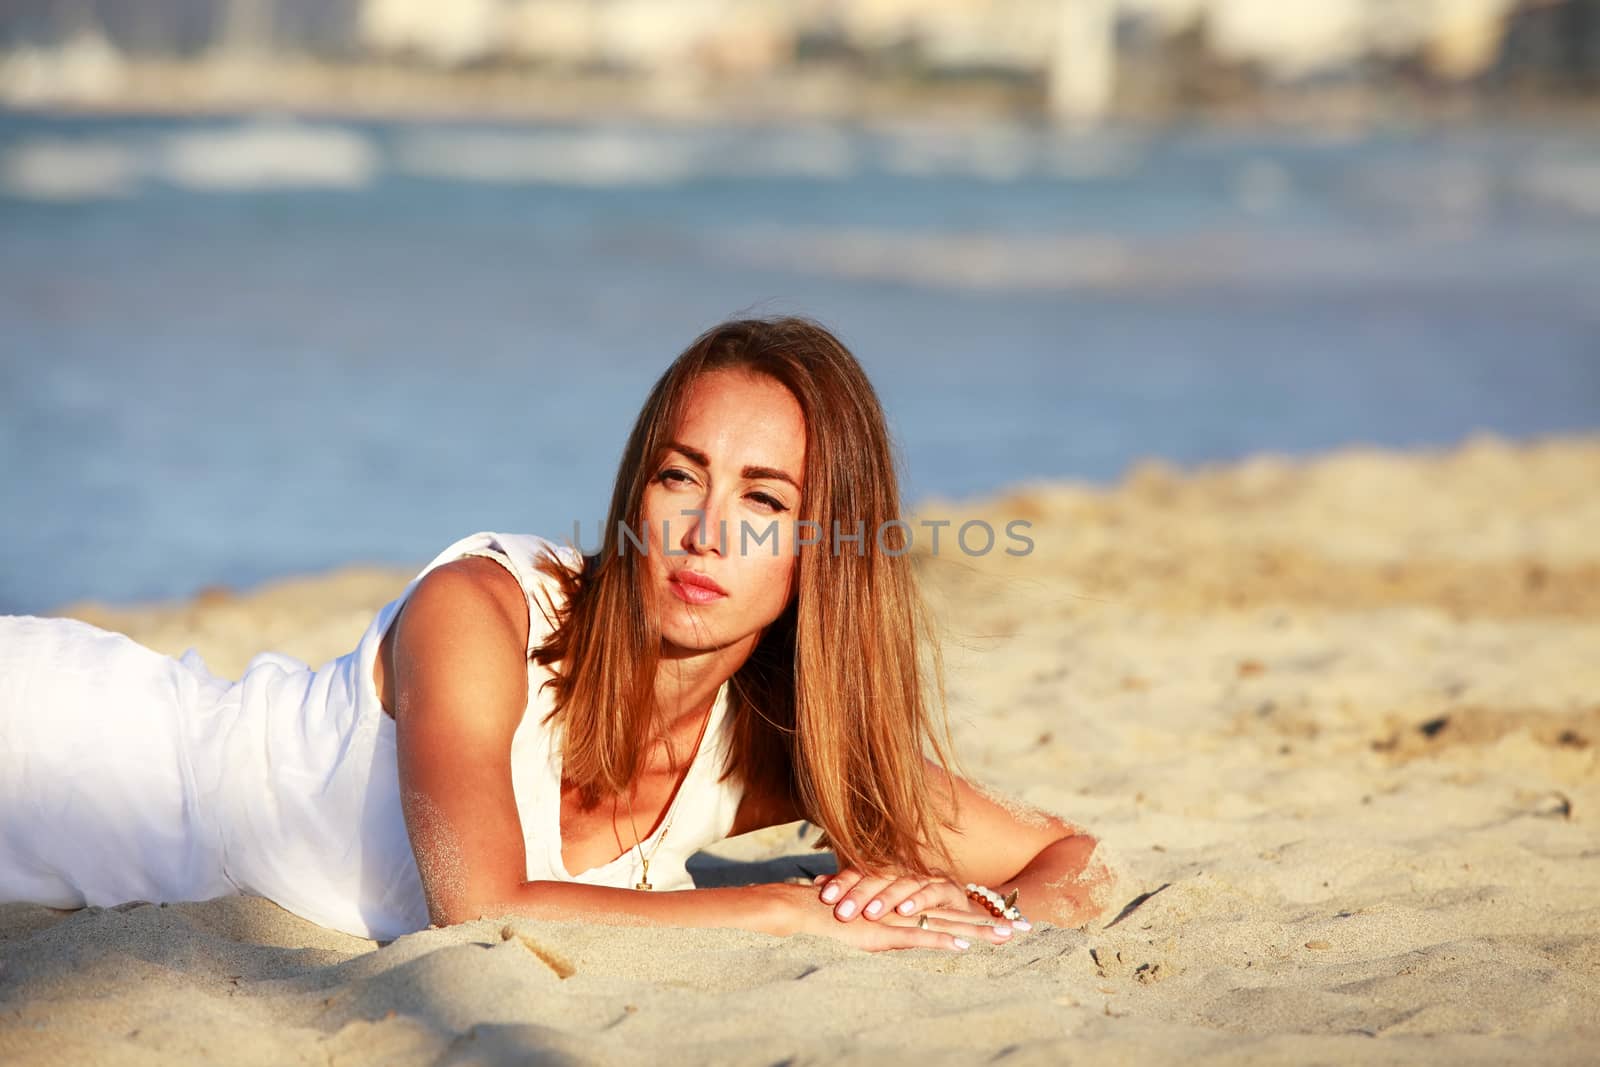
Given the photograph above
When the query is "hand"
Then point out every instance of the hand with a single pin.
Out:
(801, 915)
(882, 897)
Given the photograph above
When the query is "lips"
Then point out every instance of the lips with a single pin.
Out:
(695, 588)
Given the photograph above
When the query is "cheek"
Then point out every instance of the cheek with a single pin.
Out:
(651, 511)
(660, 522)
(773, 577)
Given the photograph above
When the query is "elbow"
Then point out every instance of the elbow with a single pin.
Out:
(451, 907)
(1086, 882)
(1067, 858)
(452, 913)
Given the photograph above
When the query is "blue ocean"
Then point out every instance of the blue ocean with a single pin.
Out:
(233, 349)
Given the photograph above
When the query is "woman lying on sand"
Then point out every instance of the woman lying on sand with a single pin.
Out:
(522, 712)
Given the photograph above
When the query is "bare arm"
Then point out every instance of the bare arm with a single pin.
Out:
(460, 689)
(1006, 845)
(994, 842)
(460, 684)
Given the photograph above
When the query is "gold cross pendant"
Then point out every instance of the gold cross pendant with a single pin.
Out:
(644, 875)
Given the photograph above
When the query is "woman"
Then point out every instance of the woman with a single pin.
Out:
(744, 651)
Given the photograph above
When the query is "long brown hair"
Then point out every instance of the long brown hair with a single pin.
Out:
(841, 697)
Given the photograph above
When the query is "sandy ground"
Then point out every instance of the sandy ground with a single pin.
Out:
(1338, 718)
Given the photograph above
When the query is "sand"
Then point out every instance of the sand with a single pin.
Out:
(1338, 719)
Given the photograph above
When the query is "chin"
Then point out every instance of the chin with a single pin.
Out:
(683, 630)
(693, 641)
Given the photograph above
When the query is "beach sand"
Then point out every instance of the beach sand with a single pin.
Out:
(1338, 720)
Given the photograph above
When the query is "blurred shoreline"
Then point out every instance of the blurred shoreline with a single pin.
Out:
(316, 88)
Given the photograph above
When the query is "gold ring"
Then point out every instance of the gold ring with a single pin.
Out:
(922, 923)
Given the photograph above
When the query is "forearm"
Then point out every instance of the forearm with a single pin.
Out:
(756, 907)
(1065, 884)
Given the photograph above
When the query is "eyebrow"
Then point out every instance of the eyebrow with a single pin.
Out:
(770, 473)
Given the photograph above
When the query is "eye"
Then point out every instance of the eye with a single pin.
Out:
(768, 501)
(674, 476)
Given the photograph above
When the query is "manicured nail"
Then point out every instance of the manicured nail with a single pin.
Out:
(830, 894)
(1002, 931)
(873, 909)
(962, 943)
(847, 909)
(1023, 924)
(906, 907)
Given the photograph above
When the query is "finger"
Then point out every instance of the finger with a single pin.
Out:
(935, 894)
(837, 885)
(996, 933)
(891, 896)
(864, 890)
(898, 936)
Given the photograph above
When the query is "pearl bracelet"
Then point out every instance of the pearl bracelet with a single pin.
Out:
(1000, 907)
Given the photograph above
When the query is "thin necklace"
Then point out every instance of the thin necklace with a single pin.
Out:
(672, 806)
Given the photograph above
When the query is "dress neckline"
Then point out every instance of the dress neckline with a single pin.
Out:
(712, 738)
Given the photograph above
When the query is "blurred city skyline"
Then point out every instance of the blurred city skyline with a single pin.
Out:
(1074, 59)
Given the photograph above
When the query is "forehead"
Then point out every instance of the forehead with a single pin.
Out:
(743, 417)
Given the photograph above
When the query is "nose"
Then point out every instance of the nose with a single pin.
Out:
(705, 530)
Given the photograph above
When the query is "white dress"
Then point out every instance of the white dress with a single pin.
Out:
(129, 775)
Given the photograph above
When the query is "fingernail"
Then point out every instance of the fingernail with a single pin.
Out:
(906, 907)
(961, 943)
(873, 908)
(1023, 924)
(830, 894)
(1002, 931)
(847, 909)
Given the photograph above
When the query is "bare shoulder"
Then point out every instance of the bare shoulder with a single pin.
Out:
(469, 613)
(462, 590)
(463, 629)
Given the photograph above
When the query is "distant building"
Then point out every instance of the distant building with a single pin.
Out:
(1083, 63)
(1462, 37)
(1294, 39)
(1552, 46)
(447, 32)
(1080, 59)
(87, 67)
(646, 36)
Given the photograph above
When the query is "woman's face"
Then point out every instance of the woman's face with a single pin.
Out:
(720, 512)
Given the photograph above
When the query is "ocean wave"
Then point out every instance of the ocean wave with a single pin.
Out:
(619, 158)
(1450, 192)
(1002, 152)
(820, 153)
(960, 261)
(242, 157)
(1093, 157)
(269, 154)
(999, 154)
(1262, 186)
(1468, 191)
(590, 158)
(275, 154)
(1568, 185)
(1000, 261)
(65, 170)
